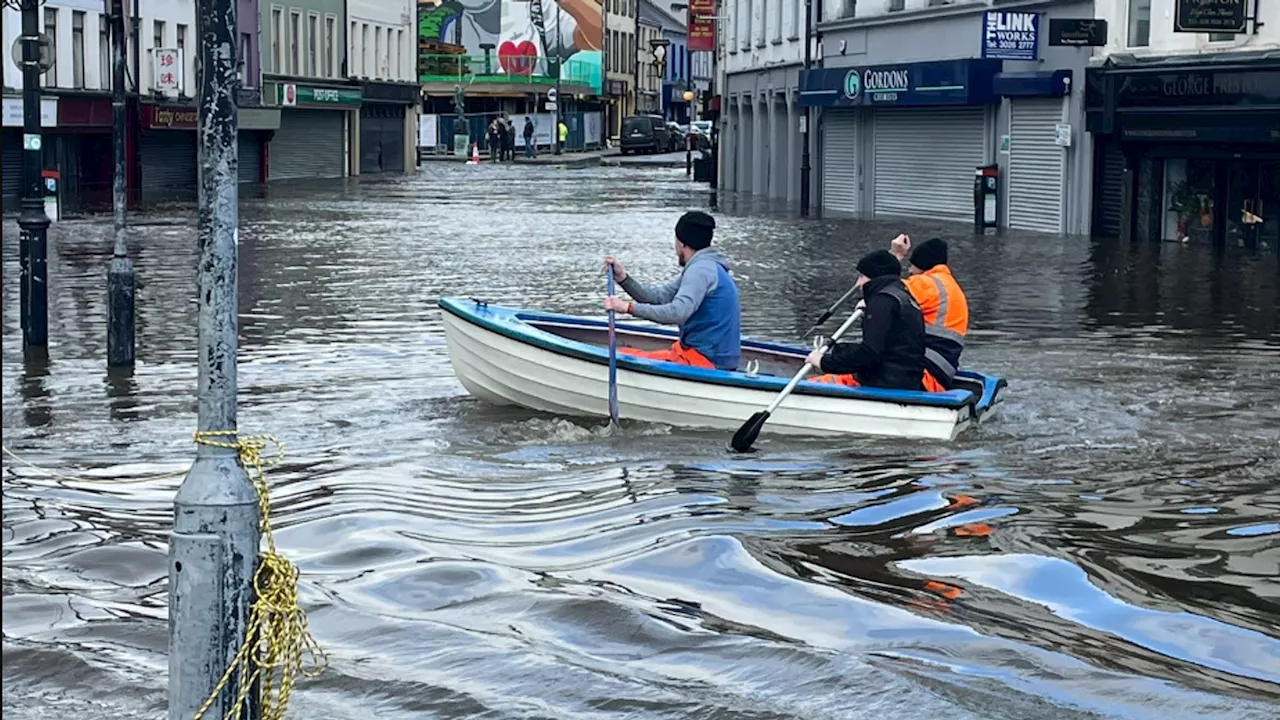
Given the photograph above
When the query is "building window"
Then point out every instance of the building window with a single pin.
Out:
(157, 42)
(313, 45)
(366, 49)
(277, 40)
(1139, 23)
(377, 53)
(1188, 200)
(51, 29)
(777, 21)
(295, 42)
(242, 61)
(330, 38)
(353, 50)
(106, 66)
(897, 5)
(395, 56)
(77, 50)
(182, 56)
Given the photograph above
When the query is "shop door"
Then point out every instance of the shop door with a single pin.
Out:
(924, 161)
(1252, 203)
(839, 162)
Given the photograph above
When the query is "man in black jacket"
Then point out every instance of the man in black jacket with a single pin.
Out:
(891, 354)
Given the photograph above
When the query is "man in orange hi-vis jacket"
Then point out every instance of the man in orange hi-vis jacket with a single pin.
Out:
(946, 311)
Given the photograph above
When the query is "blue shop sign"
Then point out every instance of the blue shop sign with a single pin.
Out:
(944, 82)
(1008, 35)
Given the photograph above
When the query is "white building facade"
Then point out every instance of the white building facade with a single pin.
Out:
(1185, 117)
(763, 51)
(382, 57)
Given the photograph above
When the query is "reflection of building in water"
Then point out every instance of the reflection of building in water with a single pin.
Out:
(1187, 127)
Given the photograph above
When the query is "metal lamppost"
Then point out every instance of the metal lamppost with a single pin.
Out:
(689, 136)
(33, 223)
(805, 166)
(120, 274)
(555, 136)
(658, 46)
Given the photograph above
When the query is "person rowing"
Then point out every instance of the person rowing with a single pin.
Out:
(702, 300)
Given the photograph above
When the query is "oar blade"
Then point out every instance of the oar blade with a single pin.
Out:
(750, 430)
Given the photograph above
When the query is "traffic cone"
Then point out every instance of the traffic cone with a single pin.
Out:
(475, 154)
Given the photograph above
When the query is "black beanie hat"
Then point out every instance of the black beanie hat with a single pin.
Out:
(931, 252)
(878, 264)
(695, 228)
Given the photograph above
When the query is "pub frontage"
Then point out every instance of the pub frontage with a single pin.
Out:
(1187, 149)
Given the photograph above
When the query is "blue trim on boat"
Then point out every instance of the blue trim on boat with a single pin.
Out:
(515, 324)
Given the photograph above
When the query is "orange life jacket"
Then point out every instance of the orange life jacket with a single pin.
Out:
(946, 320)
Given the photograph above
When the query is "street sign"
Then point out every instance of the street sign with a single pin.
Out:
(552, 95)
(551, 106)
(1210, 16)
(46, 52)
(1062, 134)
(1010, 35)
(167, 64)
(1077, 32)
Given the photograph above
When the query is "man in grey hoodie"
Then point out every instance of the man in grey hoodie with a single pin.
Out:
(702, 300)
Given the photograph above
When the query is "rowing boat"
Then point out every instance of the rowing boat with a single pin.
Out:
(559, 364)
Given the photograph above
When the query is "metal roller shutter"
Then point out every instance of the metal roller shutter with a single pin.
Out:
(381, 139)
(169, 165)
(1035, 165)
(250, 149)
(839, 161)
(924, 160)
(1108, 193)
(309, 144)
(12, 167)
(393, 141)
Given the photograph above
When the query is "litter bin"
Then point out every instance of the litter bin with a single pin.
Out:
(702, 169)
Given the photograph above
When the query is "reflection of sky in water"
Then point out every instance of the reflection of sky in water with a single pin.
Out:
(1065, 589)
(1255, 530)
(875, 515)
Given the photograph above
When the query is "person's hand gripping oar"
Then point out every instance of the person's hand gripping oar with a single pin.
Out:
(613, 359)
(750, 430)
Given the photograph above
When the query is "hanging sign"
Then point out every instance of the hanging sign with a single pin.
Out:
(167, 64)
(1008, 35)
(702, 25)
(1210, 16)
(1077, 32)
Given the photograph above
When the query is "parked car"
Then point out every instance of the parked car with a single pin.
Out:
(678, 136)
(644, 133)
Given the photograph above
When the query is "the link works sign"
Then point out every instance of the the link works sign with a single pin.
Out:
(292, 95)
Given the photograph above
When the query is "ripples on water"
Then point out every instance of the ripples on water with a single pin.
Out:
(1108, 547)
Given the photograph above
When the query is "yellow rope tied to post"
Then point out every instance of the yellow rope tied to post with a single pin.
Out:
(277, 632)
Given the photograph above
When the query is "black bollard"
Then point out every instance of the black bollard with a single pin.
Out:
(120, 278)
(33, 224)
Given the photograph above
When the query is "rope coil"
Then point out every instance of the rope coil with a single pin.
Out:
(277, 634)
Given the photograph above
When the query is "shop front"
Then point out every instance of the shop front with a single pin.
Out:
(388, 126)
(1190, 147)
(618, 92)
(169, 155)
(314, 139)
(916, 131)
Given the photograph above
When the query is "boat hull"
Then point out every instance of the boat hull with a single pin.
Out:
(504, 357)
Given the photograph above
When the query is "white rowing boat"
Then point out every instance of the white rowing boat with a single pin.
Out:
(560, 364)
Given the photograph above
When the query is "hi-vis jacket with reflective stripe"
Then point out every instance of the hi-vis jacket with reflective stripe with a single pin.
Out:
(946, 320)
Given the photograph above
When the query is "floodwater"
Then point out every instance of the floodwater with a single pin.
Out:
(1107, 546)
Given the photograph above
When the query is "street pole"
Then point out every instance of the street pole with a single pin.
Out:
(635, 56)
(555, 131)
(715, 124)
(33, 223)
(804, 136)
(213, 550)
(120, 277)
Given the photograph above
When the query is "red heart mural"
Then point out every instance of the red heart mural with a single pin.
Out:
(518, 58)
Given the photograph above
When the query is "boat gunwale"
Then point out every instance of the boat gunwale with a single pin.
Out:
(519, 326)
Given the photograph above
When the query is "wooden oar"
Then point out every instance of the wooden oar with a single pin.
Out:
(613, 359)
(750, 430)
(832, 310)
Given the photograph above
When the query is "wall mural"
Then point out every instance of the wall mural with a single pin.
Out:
(528, 36)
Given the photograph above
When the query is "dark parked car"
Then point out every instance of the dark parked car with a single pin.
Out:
(644, 133)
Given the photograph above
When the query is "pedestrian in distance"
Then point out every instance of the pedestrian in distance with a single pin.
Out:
(495, 139)
(510, 132)
(702, 300)
(529, 150)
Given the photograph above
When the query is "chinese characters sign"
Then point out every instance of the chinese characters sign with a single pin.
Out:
(1010, 35)
(702, 25)
(168, 69)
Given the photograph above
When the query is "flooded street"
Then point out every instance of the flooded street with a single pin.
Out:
(1107, 546)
